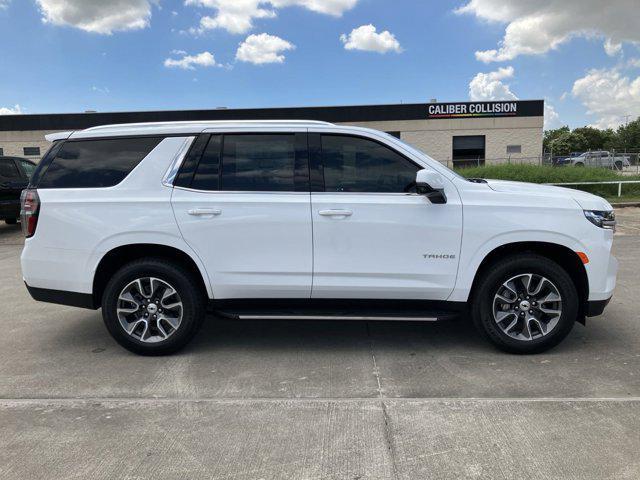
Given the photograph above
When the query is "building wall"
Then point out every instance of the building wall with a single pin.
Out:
(13, 143)
(435, 137)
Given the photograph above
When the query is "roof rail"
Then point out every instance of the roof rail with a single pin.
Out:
(204, 122)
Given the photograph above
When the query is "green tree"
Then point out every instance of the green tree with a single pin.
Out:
(596, 139)
(627, 136)
(551, 135)
(568, 142)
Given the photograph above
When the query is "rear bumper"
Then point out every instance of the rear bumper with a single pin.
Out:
(62, 297)
(596, 307)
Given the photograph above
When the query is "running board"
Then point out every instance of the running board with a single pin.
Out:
(337, 309)
(332, 317)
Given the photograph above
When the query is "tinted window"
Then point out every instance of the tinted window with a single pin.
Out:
(28, 167)
(358, 165)
(8, 169)
(259, 163)
(208, 173)
(96, 163)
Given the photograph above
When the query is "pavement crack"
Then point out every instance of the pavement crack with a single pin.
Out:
(388, 434)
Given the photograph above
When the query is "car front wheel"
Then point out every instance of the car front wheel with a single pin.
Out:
(525, 304)
(152, 307)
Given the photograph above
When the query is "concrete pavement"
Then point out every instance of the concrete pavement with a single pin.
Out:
(317, 400)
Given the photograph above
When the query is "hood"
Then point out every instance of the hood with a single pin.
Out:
(587, 201)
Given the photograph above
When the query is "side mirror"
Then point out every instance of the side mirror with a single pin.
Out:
(431, 185)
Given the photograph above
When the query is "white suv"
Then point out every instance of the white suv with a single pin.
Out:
(155, 223)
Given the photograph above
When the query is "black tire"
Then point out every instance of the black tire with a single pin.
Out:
(191, 294)
(11, 221)
(619, 166)
(507, 268)
(578, 164)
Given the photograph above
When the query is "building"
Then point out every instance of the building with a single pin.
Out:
(453, 133)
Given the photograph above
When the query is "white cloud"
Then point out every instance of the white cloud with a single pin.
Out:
(551, 117)
(366, 38)
(237, 16)
(97, 16)
(16, 110)
(190, 62)
(490, 86)
(634, 63)
(263, 48)
(536, 26)
(4, 4)
(610, 95)
(103, 90)
(612, 48)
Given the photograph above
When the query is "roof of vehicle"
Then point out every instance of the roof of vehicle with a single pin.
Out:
(172, 128)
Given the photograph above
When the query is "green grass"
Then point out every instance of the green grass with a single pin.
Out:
(547, 174)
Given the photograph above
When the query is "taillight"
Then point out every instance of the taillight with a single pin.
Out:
(29, 209)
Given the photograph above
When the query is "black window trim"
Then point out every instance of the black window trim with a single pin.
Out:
(184, 178)
(319, 166)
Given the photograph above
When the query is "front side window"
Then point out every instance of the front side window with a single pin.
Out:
(353, 164)
(96, 163)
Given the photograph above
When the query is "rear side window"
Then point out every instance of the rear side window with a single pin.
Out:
(258, 163)
(96, 163)
(254, 163)
(353, 164)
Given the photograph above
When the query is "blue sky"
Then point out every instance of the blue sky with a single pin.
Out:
(59, 58)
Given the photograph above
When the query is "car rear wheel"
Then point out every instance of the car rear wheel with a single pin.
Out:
(525, 304)
(152, 307)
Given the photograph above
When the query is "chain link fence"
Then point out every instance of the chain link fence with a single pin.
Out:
(624, 161)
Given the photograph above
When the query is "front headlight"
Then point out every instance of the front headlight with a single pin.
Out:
(601, 218)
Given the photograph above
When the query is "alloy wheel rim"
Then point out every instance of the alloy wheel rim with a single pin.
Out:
(527, 307)
(149, 309)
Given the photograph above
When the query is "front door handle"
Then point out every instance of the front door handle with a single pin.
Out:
(335, 213)
(204, 212)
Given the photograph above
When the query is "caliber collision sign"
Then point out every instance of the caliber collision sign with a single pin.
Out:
(485, 109)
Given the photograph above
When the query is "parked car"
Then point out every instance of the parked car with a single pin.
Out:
(14, 177)
(154, 223)
(559, 161)
(598, 159)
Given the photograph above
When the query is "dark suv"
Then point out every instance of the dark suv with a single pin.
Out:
(14, 177)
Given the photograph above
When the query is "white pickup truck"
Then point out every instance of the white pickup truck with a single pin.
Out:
(601, 158)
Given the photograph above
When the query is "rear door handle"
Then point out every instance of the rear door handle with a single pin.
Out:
(335, 213)
(204, 212)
